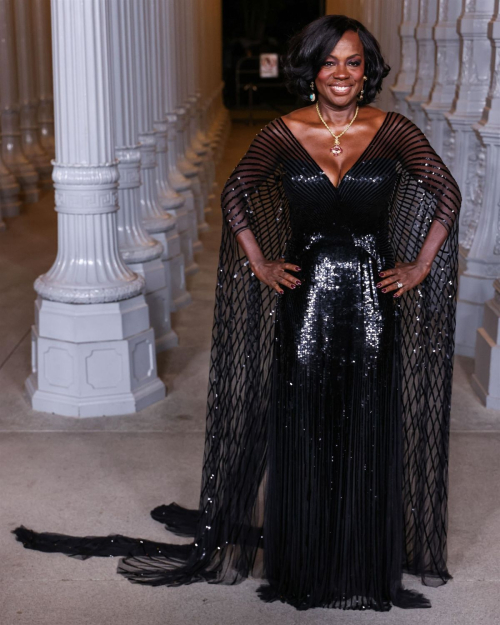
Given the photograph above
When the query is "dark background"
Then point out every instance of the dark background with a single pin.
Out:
(251, 27)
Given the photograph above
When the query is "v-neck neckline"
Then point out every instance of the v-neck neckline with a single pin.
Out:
(308, 154)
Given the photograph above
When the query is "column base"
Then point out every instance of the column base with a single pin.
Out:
(93, 360)
(159, 301)
(109, 406)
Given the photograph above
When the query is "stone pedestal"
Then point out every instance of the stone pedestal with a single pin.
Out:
(91, 361)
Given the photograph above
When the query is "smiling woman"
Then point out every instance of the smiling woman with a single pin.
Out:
(326, 450)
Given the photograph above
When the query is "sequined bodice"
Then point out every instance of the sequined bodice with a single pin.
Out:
(357, 206)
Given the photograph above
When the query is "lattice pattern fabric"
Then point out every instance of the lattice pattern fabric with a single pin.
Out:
(326, 451)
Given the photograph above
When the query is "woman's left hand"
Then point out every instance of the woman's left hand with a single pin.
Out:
(407, 274)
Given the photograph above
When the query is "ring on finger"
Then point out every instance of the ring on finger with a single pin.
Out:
(400, 285)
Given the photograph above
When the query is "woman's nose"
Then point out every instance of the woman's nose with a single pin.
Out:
(340, 71)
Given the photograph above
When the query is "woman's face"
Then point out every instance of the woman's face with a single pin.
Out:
(340, 78)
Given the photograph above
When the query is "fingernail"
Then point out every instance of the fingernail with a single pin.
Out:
(297, 268)
(384, 290)
(292, 286)
(298, 282)
(379, 284)
(282, 292)
(396, 295)
(381, 274)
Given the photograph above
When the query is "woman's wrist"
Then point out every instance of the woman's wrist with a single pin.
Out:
(256, 262)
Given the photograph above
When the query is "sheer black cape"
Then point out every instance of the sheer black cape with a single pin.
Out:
(227, 527)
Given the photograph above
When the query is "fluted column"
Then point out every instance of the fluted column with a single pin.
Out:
(12, 150)
(196, 153)
(470, 160)
(185, 186)
(407, 73)
(468, 164)
(169, 198)
(28, 99)
(383, 18)
(202, 36)
(139, 250)
(93, 347)
(188, 168)
(43, 67)
(160, 224)
(447, 41)
(426, 61)
(481, 263)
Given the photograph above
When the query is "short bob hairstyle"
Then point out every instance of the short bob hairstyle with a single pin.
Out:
(310, 47)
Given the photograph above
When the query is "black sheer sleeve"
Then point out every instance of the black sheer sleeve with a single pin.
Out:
(426, 192)
(251, 184)
(419, 160)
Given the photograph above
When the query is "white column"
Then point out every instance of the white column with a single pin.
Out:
(43, 65)
(177, 179)
(426, 61)
(184, 165)
(93, 347)
(202, 52)
(160, 224)
(139, 250)
(469, 168)
(168, 197)
(387, 16)
(447, 41)
(195, 151)
(407, 73)
(28, 99)
(475, 71)
(486, 376)
(12, 151)
(482, 263)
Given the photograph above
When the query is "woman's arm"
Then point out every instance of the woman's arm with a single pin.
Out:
(238, 198)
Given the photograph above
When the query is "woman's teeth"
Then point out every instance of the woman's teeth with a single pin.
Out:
(341, 89)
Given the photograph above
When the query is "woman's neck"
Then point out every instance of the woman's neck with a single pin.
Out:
(337, 115)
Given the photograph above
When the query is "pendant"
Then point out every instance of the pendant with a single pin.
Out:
(336, 150)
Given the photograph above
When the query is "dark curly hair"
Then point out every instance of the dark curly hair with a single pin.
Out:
(309, 48)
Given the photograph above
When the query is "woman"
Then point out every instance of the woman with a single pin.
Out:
(325, 467)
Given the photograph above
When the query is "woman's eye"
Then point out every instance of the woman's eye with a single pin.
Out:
(355, 63)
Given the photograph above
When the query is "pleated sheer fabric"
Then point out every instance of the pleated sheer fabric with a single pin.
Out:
(325, 467)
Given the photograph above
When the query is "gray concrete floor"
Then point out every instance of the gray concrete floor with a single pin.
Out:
(104, 475)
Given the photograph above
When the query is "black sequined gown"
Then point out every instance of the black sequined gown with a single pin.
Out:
(326, 455)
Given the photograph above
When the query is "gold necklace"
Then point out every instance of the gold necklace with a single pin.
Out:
(336, 150)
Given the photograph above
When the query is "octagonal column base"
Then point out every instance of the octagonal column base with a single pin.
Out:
(93, 360)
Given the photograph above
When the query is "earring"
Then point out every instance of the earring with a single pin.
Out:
(312, 96)
(361, 93)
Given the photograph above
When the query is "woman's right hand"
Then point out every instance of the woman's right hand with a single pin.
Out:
(274, 273)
